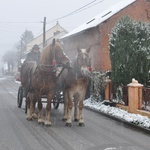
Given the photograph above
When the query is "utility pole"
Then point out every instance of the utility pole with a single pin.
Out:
(44, 30)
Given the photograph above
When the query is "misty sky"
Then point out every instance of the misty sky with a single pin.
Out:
(18, 15)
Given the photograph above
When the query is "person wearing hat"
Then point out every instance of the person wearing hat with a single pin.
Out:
(34, 54)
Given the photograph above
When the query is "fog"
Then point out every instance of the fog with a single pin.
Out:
(16, 16)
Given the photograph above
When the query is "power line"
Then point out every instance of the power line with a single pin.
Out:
(71, 13)
(19, 22)
(59, 18)
(89, 6)
(76, 11)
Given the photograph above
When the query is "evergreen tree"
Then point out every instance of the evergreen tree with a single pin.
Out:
(129, 49)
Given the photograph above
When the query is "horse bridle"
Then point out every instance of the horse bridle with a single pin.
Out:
(55, 60)
(83, 64)
(49, 69)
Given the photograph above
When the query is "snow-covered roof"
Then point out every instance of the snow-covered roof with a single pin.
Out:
(101, 17)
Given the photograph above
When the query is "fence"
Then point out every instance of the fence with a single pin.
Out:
(146, 99)
(134, 97)
(125, 95)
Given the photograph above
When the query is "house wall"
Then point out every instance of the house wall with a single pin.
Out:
(140, 10)
(98, 37)
(86, 39)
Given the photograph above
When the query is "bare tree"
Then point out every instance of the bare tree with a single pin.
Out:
(10, 58)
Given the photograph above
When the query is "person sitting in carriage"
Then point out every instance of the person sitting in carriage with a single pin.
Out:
(34, 54)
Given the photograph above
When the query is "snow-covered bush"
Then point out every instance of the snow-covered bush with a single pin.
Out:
(98, 84)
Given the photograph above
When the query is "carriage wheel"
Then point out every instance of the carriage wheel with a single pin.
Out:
(55, 102)
(57, 99)
(26, 106)
(20, 97)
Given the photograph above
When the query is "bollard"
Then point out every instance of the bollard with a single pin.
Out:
(108, 89)
(135, 96)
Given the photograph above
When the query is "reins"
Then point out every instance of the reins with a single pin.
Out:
(60, 73)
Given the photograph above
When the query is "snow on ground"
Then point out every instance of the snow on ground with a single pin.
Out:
(137, 119)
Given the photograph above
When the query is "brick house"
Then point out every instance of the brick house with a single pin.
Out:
(95, 32)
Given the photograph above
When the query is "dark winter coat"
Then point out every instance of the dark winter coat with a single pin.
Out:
(33, 56)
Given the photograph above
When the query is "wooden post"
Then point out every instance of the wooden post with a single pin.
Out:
(135, 96)
(44, 30)
(107, 89)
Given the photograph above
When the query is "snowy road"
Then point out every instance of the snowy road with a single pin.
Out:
(99, 133)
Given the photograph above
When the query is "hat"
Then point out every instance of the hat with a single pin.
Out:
(36, 46)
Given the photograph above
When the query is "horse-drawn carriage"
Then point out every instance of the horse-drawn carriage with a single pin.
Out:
(57, 99)
(51, 76)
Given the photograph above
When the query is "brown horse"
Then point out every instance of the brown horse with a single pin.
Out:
(75, 87)
(43, 80)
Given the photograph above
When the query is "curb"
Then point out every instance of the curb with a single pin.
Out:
(139, 128)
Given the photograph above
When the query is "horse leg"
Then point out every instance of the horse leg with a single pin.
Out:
(28, 117)
(81, 118)
(48, 109)
(29, 102)
(40, 113)
(76, 108)
(34, 115)
(69, 114)
(65, 97)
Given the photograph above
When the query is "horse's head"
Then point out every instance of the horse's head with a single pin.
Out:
(83, 61)
(57, 54)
